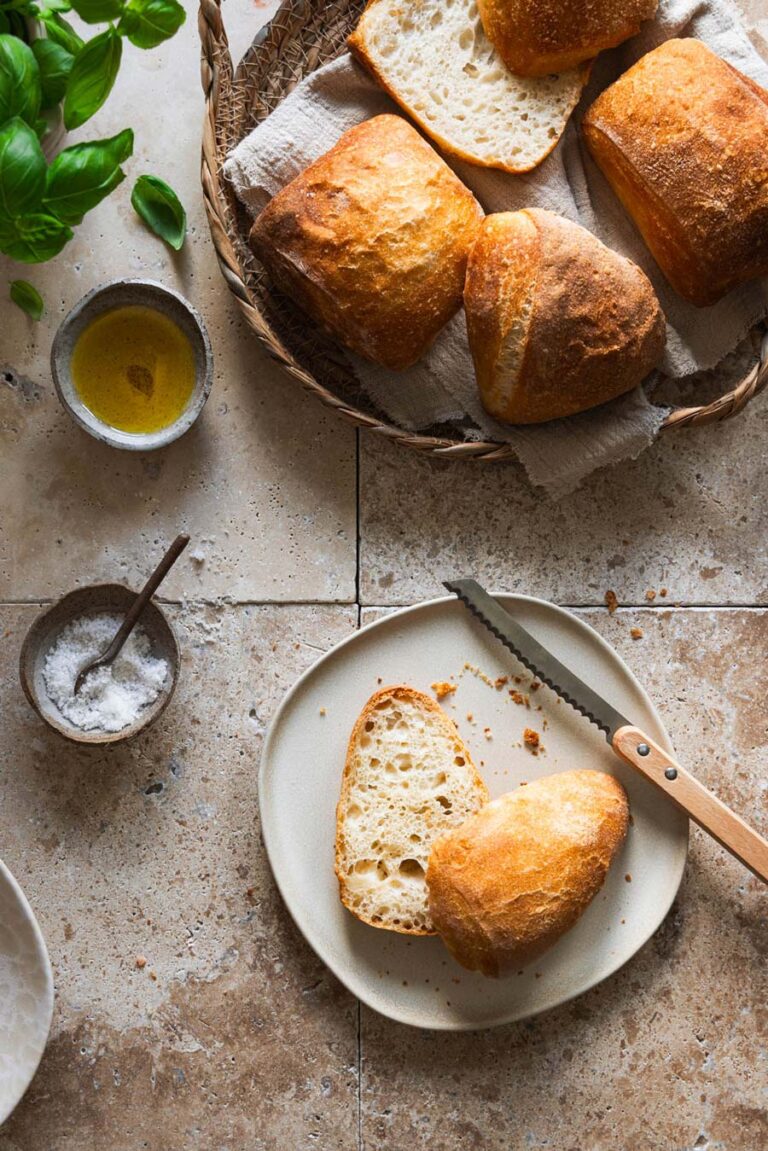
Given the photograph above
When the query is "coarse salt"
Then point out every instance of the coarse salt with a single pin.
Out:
(112, 697)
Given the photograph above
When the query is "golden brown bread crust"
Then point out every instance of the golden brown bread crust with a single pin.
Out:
(372, 239)
(511, 880)
(535, 37)
(410, 694)
(681, 138)
(557, 322)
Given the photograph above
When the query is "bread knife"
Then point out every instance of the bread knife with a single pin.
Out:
(629, 742)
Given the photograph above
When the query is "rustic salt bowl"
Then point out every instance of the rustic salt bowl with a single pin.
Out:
(97, 598)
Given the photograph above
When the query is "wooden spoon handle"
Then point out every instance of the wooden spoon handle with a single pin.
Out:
(145, 595)
(701, 805)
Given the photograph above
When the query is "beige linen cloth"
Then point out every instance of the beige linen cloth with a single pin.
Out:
(557, 455)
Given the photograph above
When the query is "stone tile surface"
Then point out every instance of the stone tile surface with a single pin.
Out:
(670, 1052)
(688, 514)
(265, 481)
(233, 1035)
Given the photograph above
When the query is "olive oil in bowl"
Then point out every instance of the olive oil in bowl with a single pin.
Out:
(134, 369)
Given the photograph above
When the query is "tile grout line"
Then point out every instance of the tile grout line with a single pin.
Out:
(736, 605)
(359, 1076)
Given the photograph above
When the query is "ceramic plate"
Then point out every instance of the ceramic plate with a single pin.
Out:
(26, 993)
(414, 980)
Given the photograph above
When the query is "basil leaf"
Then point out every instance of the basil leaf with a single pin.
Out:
(33, 238)
(98, 11)
(20, 93)
(61, 32)
(147, 23)
(54, 6)
(84, 174)
(160, 208)
(92, 77)
(26, 297)
(22, 169)
(55, 64)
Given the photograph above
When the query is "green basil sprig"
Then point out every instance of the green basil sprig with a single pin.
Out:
(160, 209)
(98, 11)
(27, 297)
(20, 90)
(61, 32)
(81, 176)
(55, 64)
(22, 170)
(92, 77)
(33, 238)
(148, 23)
(40, 204)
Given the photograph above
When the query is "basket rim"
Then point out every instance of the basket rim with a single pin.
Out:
(216, 65)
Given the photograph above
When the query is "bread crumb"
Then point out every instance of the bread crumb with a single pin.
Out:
(470, 717)
(442, 688)
(322, 711)
(650, 595)
(531, 739)
(611, 602)
(636, 632)
(153, 976)
(663, 592)
(500, 682)
(487, 733)
(623, 921)
(141, 962)
(534, 685)
(627, 878)
(520, 698)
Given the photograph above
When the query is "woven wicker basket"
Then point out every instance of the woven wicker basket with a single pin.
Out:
(303, 35)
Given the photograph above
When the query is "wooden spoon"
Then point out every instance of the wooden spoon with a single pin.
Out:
(134, 612)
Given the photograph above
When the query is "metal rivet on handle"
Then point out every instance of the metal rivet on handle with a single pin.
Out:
(671, 773)
(643, 749)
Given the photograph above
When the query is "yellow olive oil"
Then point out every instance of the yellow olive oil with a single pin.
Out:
(134, 369)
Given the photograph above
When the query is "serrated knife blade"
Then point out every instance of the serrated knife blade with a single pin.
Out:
(628, 741)
(536, 658)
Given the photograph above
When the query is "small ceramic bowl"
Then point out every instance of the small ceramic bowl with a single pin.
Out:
(104, 597)
(129, 293)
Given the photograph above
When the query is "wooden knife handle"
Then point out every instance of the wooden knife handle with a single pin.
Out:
(701, 805)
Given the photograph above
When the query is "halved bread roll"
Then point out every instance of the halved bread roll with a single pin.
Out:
(407, 779)
(434, 58)
(535, 37)
(557, 322)
(508, 883)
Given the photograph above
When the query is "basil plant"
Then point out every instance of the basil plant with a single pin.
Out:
(46, 70)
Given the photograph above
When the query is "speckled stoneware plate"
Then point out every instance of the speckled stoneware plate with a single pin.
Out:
(26, 993)
(414, 980)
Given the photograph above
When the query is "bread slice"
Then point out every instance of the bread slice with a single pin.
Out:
(434, 58)
(508, 883)
(557, 322)
(408, 778)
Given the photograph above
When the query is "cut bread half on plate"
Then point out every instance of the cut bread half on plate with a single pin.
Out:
(408, 778)
(435, 60)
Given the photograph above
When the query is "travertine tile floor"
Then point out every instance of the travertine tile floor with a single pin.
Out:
(234, 1037)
